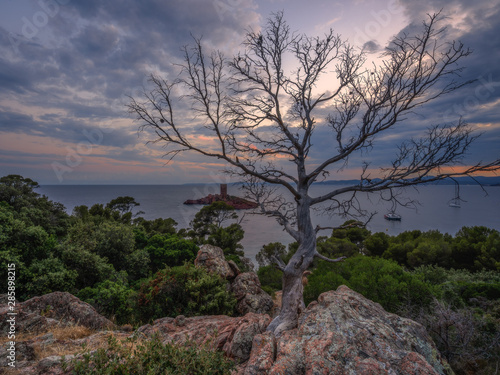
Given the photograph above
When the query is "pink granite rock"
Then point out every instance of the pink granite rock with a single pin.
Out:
(346, 334)
(39, 314)
(249, 294)
(213, 260)
(233, 335)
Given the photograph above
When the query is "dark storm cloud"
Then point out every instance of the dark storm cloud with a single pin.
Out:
(90, 56)
(371, 46)
(476, 25)
(17, 122)
(60, 127)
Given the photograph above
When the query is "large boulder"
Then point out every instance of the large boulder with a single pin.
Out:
(249, 294)
(245, 286)
(40, 314)
(344, 333)
(233, 335)
(212, 259)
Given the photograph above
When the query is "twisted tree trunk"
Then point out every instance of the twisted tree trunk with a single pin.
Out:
(292, 299)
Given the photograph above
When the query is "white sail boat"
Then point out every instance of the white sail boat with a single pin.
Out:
(392, 215)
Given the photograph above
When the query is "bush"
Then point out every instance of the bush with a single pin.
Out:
(50, 275)
(380, 280)
(469, 342)
(151, 357)
(270, 278)
(114, 241)
(184, 290)
(377, 243)
(165, 250)
(113, 299)
(461, 288)
(90, 267)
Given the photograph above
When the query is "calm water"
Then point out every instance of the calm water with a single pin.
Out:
(166, 201)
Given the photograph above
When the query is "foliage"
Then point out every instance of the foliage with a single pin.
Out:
(351, 230)
(336, 247)
(159, 225)
(169, 250)
(91, 268)
(380, 280)
(111, 298)
(186, 290)
(50, 275)
(151, 357)
(376, 243)
(470, 342)
(271, 279)
(472, 248)
(32, 208)
(227, 239)
(138, 265)
(213, 215)
(122, 204)
(23, 276)
(29, 242)
(207, 227)
(270, 251)
(476, 248)
(114, 241)
(462, 288)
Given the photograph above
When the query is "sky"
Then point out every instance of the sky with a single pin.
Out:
(67, 69)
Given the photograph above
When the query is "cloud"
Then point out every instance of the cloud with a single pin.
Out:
(73, 76)
(372, 46)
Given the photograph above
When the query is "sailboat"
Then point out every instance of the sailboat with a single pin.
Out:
(392, 215)
(455, 201)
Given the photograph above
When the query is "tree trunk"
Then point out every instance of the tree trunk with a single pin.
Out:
(292, 304)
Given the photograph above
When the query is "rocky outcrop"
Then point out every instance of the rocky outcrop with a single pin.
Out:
(40, 314)
(245, 286)
(249, 294)
(233, 335)
(212, 259)
(343, 333)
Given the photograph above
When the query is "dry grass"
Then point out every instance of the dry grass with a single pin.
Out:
(71, 333)
(67, 341)
(60, 333)
(62, 344)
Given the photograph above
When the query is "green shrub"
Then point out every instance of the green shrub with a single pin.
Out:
(461, 288)
(168, 250)
(114, 241)
(138, 265)
(184, 290)
(270, 278)
(377, 243)
(90, 267)
(50, 275)
(379, 280)
(113, 299)
(151, 357)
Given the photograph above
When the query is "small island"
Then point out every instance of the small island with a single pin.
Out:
(236, 202)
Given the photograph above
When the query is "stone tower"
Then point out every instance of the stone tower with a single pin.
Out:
(223, 191)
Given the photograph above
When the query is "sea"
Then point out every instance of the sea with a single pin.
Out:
(480, 206)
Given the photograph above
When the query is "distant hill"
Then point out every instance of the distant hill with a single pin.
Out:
(486, 181)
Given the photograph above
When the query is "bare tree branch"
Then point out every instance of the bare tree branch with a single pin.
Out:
(322, 257)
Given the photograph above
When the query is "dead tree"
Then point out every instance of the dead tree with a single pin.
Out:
(262, 107)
